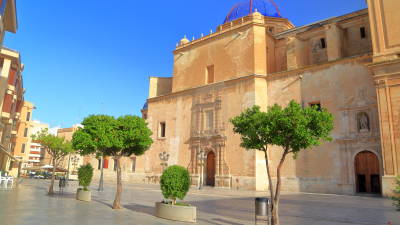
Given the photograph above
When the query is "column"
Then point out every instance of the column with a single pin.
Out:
(334, 38)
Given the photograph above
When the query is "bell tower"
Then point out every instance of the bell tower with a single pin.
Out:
(385, 30)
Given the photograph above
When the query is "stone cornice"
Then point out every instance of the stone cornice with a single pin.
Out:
(208, 86)
(320, 66)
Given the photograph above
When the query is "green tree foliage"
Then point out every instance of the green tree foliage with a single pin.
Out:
(175, 183)
(116, 137)
(57, 147)
(292, 128)
(85, 174)
(396, 200)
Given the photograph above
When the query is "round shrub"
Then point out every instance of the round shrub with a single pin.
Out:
(85, 174)
(175, 183)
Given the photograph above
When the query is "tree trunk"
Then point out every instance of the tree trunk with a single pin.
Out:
(275, 211)
(117, 201)
(51, 191)
(101, 182)
(274, 215)
(271, 209)
(271, 186)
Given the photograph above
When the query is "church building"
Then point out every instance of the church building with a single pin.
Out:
(349, 64)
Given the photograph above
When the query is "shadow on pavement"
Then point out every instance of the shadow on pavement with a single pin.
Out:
(63, 195)
(140, 208)
(237, 208)
(103, 202)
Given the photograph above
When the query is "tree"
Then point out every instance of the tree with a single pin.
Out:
(292, 128)
(117, 137)
(93, 138)
(175, 183)
(57, 147)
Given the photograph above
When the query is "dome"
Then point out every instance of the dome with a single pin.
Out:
(145, 106)
(246, 7)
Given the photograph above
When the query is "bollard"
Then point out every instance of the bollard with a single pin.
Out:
(261, 209)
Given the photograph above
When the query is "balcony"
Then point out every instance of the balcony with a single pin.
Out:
(5, 115)
(34, 160)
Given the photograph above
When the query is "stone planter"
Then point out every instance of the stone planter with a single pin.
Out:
(177, 213)
(83, 195)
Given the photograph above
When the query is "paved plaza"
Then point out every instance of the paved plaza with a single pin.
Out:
(28, 204)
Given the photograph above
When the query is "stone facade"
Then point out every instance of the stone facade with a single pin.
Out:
(349, 65)
(22, 140)
(11, 93)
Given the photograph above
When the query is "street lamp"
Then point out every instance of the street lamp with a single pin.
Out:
(74, 160)
(164, 160)
(201, 156)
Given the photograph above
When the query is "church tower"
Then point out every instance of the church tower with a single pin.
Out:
(385, 31)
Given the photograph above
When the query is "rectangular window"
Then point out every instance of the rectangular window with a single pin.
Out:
(133, 164)
(363, 33)
(162, 129)
(23, 148)
(323, 43)
(210, 74)
(317, 105)
(28, 116)
(209, 120)
(26, 132)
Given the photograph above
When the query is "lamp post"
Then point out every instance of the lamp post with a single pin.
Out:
(201, 156)
(69, 162)
(75, 160)
(164, 156)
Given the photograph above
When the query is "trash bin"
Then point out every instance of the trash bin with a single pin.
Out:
(261, 206)
(261, 210)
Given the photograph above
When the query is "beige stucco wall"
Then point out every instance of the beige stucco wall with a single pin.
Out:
(330, 167)
(176, 111)
(20, 138)
(232, 54)
(159, 86)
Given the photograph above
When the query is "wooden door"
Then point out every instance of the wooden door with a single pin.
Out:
(210, 181)
(367, 173)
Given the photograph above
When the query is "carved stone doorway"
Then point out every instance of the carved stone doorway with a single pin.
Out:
(210, 181)
(367, 173)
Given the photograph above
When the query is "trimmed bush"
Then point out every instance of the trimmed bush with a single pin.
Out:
(85, 174)
(175, 183)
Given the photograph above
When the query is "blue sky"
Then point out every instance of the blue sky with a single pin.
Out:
(95, 56)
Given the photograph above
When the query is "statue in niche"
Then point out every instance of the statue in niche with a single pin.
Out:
(363, 122)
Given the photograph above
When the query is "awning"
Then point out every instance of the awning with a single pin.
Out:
(4, 150)
(33, 168)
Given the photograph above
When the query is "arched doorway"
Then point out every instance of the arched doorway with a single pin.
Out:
(367, 173)
(210, 181)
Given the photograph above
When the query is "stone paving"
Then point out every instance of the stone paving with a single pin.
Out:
(28, 204)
